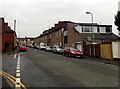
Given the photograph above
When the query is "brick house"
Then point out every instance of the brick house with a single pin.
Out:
(72, 34)
(8, 37)
(78, 35)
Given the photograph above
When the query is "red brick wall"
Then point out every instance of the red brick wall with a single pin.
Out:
(0, 42)
(8, 38)
(73, 36)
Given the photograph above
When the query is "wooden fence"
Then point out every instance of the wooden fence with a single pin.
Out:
(101, 50)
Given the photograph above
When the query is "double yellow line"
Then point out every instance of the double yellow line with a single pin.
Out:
(11, 78)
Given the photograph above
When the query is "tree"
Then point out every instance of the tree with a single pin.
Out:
(117, 20)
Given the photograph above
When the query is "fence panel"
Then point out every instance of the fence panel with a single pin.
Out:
(106, 51)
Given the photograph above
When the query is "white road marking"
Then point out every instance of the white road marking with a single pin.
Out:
(18, 65)
(18, 62)
(17, 71)
(15, 55)
(17, 74)
(17, 86)
(18, 79)
(18, 68)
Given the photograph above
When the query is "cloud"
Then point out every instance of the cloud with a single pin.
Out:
(34, 16)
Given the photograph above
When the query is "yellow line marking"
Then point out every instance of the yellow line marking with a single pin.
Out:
(11, 78)
(8, 74)
(22, 85)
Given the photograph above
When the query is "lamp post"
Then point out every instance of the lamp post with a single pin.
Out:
(92, 31)
(19, 40)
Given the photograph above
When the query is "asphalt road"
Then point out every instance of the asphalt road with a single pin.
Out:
(46, 69)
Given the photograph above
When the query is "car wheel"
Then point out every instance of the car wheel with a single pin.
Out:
(63, 54)
(70, 55)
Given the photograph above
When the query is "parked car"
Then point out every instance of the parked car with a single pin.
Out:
(37, 47)
(42, 47)
(72, 52)
(57, 49)
(48, 49)
(22, 49)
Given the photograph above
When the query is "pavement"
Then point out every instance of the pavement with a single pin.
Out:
(106, 61)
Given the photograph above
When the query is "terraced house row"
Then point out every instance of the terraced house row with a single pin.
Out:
(78, 35)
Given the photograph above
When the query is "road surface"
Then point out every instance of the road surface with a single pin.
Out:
(46, 69)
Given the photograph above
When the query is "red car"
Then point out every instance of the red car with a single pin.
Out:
(73, 52)
(22, 49)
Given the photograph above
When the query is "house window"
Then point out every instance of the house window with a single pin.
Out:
(57, 34)
(62, 29)
(108, 29)
(65, 45)
(45, 37)
(102, 29)
(50, 36)
(87, 29)
(60, 44)
(65, 33)
(95, 29)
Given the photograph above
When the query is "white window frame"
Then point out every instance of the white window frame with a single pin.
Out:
(90, 29)
(102, 29)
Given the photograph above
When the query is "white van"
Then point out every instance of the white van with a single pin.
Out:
(42, 46)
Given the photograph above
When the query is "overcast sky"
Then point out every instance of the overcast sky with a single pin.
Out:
(35, 16)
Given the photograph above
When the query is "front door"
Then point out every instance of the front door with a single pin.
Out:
(79, 46)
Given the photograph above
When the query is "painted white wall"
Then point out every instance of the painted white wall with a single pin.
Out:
(115, 48)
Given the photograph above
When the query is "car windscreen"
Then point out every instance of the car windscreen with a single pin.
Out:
(74, 49)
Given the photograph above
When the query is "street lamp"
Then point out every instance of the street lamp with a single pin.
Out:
(92, 24)
(19, 40)
(92, 31)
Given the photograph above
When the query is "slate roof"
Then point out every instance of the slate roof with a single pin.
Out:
(100, 36)
(8, 30)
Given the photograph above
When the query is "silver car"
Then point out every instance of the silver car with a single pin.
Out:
(48, 49)
(57, 49)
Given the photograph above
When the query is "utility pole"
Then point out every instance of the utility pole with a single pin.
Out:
(15, 25)
(14, 44)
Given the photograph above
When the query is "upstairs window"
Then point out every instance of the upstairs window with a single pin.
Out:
(108, 29)
(87, 29)
(102, 29)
